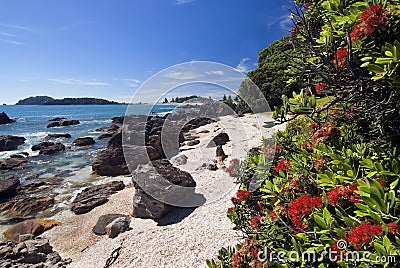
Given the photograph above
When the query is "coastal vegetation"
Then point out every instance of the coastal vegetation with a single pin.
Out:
(330, 198)
(45, 100)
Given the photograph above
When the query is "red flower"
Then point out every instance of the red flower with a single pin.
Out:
(319, 162)
(372, 19)
(381, 182)
(295, 29)
(229, 210)
(306, 5)
(283, 165)
(237, 259)
(393, 228)
(259, 206)
(255, 222)
(363, 233)
(302, 206)
(340, 193)
(272, 215)
(340, 58)
(341, 53)
(319, 87)
(242, 195)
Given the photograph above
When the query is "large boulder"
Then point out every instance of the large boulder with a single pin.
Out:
(8, 187)
(95, 196)
(26, 206)
(12, 163)
(111, 161)
(58, 136)
(4, 119)
(220, 139)
(111, 128)
(48, 148)
(30, 252)
(118, 226)
(158, 178)
(10, 143)
(34, 227)
(118, 120)
(103, 221)
(63, 123)
(85, 141)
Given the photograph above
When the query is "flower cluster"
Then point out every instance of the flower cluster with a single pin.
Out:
(247, 254)
(302, 206)
(295, 29)
(340, 58)
(241, 195)
(342, 193)
(320, 163)
(233, 167)
(371, 19)
(363, 233)
(393, 228)
(283, 165)
(255, 222)
(320, 87)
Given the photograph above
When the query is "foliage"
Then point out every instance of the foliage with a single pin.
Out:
(270, 75)
(44, 100)
(331, 198)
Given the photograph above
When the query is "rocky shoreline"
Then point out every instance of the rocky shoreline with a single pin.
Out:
(24, 203)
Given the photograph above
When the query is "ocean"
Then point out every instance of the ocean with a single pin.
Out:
(71, 168)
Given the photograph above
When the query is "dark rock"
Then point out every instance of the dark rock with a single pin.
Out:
(197, 122)
(118, 226)
(193, 142)
(4, 119)
(12, 163)
(103, 221)
(220, 139)
(8, 187)
(204, 131)
(26, 227)
(48, 148)
(10, 143)
(85, 141)
(63, 123)
(94, 196)
(33, 252)
(33, 227)
(21, 156)
(220, 154)
(208, 166)
(111, 128)
(144, 205)
(57, 119)
(111, 161)
(25, 206)
(58, 136)
(105, 136)
(118, 120)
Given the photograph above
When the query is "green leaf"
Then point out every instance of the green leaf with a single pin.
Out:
(375, 68)
(320, 221)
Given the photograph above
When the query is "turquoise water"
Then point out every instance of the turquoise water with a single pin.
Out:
(31, 124)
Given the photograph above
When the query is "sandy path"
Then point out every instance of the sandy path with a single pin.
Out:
(185, 237)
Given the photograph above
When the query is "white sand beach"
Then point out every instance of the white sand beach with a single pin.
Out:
(185, 237)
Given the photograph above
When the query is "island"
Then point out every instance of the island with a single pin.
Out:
(46, 100)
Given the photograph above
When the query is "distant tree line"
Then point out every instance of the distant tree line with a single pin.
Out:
(45, 100)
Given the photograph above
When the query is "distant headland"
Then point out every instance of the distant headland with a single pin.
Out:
(46, 100)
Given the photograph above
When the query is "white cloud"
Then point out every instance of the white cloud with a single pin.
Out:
(284, 22)
(7, 34)
(16, 27)
(182, 2)
(215, 73)
(188, 75)
(12, 42)
(70, 81)
(241, 67)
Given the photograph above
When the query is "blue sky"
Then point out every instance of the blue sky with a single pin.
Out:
(106, 49)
